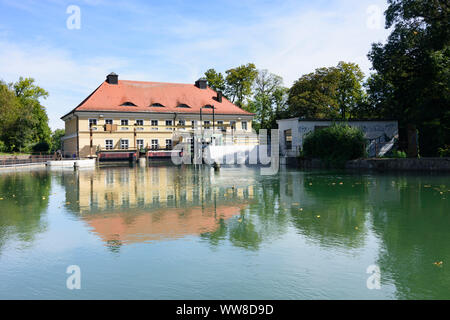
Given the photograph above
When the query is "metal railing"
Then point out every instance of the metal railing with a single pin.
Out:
(12, 161)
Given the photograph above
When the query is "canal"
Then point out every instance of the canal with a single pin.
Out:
(180, 233)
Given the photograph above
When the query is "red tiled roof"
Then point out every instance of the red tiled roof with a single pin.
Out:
(111, 97)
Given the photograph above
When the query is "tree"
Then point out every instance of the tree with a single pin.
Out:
(23, 120)
(239, 83)
(29, 95)
(412, 76)
(216, 81)
(56, 139)
(334, 92)
(269, 99)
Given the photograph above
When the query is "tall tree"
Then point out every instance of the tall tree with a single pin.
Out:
(216, 80)
(334, 92)
(23, 120)
(413, 70)
(239, 83)
(269, 98)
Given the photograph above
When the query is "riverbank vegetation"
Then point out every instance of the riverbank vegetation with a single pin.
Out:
(335, 145)
(23, 119)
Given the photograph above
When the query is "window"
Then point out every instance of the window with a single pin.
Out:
(140, 144)
(169, 124)
(182, 105)
(140, 122)
(233, 125)
(168, 144)
(206, 124)
(92, 123)
(124, 144)
(288, 139)
(208, 106)
(244, 125)
(220, 125)
(154, 124)
(128, 104)
(108, 121)
(182, 123)
(109, 144)
(193, 124)
(124, 123)
(157, 105)
(154, 144)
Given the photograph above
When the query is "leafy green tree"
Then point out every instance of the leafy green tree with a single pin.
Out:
(56, 139)
(23, 120)
(239, 83)
(29, 95)
(413, 70)
(335, 92)
(269, 100)
(216, 80)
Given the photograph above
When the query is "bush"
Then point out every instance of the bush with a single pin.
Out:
(399, 154)
(3, 147)
(445, 151)
(41, 147)
(336, 144)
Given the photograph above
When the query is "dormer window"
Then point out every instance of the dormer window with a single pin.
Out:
(157, 105)
(182, 105)
(128, 104)
(208, 106)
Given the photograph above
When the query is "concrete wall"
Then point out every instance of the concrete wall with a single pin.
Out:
(382, 130)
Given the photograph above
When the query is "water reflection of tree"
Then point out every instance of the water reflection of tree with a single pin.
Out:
(260, 222)
(335, 212)
(25, 197)
(415, 233)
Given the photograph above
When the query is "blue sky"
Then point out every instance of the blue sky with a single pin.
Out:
(176, 41)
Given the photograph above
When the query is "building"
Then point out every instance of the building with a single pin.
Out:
(380, 134)
(136, 115)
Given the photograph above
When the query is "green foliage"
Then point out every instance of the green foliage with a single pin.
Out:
(270, 99)
(41, 147)
(412, 76)
(398, 154)
(56, 139)
(335, 144)
(239, 83)
(334, 92)
(444, 151)
(23, 120)
(256, 91)
(216, 80)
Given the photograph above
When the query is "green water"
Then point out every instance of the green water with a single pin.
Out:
(176, 233)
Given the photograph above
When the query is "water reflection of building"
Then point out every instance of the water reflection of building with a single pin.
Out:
(127, 205)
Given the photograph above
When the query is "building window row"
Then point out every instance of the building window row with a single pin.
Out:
(125, 123)
(124, 144)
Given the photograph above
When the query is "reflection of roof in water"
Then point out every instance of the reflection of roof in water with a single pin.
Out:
(162, 224)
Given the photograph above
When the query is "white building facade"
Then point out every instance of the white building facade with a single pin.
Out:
(380, 134)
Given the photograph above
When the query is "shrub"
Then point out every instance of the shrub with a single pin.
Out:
(445, 151)
(335, 144)
(41, 147)
(3, 147)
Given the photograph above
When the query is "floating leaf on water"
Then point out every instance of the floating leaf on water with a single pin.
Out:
(440, 263)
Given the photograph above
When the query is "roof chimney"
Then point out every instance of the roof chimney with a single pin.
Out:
(112, 78)
(201, 83)
(219, 96)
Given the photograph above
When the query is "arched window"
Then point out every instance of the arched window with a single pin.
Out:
(128, 104)
(183, 105)
(208, 106)
(157, 105)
